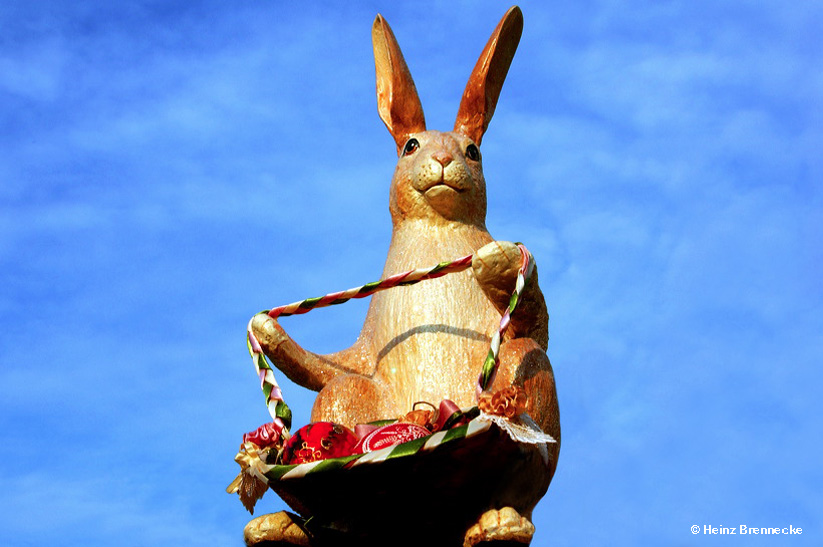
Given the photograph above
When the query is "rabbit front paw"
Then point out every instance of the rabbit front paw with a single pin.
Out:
(495, 267)
(268, 332)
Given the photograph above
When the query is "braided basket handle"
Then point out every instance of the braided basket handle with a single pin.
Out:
(274, 398)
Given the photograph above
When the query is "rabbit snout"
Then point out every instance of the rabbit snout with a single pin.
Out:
(441, 162)
(432, 172)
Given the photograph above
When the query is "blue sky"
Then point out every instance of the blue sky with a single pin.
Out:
(167, 169)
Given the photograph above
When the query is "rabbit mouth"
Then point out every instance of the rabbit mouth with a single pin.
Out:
(442, 186)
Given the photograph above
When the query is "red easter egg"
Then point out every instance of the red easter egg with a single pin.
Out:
(390, 435)
(319, 441)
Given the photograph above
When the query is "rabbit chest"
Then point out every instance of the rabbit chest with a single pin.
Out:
(430, 339)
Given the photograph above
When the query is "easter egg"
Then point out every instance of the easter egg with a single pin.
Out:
(390, 435)
(319, 441)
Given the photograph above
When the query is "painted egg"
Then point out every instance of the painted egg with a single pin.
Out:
(390, 435)
(319, 441)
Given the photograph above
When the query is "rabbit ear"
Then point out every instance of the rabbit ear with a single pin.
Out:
(397, 100)
(486, 81)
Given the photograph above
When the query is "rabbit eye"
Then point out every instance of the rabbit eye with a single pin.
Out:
(411, 146)
(472, 152)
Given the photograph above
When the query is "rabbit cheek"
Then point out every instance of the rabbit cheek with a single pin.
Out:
(405, 200)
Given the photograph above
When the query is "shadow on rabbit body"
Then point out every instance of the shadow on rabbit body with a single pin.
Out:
(427, 341)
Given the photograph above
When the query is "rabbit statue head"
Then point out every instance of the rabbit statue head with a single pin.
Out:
(439, 174)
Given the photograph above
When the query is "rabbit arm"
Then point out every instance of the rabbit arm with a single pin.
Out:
(495, 267)
(310, 370)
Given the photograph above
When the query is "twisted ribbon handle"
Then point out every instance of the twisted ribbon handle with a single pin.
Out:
(492, 362)
(280, 412)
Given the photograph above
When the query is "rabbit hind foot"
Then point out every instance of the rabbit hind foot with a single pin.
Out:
(500, 527)
(275, 529)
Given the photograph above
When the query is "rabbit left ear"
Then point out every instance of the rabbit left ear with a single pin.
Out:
(397, 100)
(486, 81)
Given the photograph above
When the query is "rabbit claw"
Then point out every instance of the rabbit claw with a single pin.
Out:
(504, 524)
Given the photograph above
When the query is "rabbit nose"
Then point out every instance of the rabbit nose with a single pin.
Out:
(443, 157)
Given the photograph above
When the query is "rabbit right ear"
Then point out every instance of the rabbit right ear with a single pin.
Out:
(486, 81)
(397, 100)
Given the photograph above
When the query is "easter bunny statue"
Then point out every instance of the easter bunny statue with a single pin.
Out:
(427, 342)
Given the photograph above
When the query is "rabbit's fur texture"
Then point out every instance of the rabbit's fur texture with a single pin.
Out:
(427, 342)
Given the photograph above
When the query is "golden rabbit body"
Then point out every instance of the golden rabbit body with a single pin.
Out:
(427, 342)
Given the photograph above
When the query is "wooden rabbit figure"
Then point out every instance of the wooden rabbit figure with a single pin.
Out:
(428, 341)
